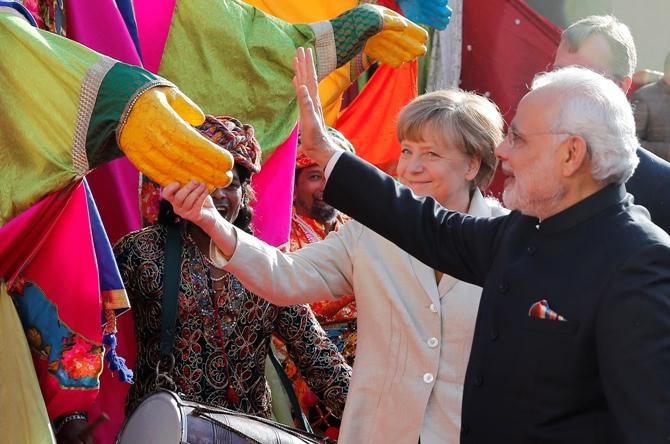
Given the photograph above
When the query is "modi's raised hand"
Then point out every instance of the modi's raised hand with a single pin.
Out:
(314, 139)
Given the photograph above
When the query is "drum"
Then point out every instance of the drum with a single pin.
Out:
(164, 418)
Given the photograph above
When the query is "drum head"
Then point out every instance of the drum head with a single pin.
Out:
(157, 420)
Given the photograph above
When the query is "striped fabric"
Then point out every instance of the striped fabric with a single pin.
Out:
(541, 310)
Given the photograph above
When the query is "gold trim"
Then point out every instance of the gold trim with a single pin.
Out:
(133, 99)
(326, 55)
(114, 299)
(87, 96)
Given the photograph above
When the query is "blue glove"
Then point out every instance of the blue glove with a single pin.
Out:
(435, 13)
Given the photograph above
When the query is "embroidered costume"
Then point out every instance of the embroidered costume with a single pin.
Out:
(204, 371)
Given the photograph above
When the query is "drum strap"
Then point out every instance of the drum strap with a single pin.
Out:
(290, 392)
(171, 282)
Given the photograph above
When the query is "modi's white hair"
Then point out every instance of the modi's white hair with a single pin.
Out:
(596, 109)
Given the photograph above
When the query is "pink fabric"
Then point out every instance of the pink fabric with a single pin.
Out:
(114, 185)
(101, 28)
(153, 25)
(274, 193)
(22, 237)
(115, 189)
(56, 230)
(72, 286)
(50, 232)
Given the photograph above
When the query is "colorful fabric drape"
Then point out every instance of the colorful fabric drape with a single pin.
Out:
(369, 121)
(84, 95)
(58, 266)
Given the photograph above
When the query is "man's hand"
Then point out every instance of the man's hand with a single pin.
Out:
(159, 139)
(400, 40)
(193, 203)
(314, 139)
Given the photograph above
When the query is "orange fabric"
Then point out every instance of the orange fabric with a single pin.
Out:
(369, 121)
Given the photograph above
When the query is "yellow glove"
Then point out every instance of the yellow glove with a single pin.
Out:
(159, 139)
(400, 40)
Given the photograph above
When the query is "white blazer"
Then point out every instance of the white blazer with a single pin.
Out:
(414, 336)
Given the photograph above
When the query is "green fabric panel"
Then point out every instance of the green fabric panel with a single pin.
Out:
(233, 59)
(41, 76)
(425, 61)
(353, 29)
(118, 88)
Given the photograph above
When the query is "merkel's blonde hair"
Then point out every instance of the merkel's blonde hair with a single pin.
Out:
(466, 120)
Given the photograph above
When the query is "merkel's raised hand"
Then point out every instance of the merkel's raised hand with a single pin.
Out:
(314, 139)
(159, 139)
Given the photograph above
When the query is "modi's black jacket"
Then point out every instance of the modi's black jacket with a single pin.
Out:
(601, 375)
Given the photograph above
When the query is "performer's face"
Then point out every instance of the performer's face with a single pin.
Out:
(227, 200)
(308, 194)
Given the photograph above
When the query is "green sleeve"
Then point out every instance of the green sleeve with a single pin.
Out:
(61, 106)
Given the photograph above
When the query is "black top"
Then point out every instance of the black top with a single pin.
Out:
(600, 376)
(650, 186)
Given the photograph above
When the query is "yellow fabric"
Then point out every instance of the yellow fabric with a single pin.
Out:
(330, 92)
(300, 11)
(24, 417)
(36, 83)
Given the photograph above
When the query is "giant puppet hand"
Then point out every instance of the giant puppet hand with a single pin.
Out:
(399, 42)
(397, 39)
(435, 13)
(159, 139)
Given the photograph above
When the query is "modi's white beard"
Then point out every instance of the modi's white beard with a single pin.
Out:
(536, 197)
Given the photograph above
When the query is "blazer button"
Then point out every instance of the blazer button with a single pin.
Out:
(428, 378)
(432, 342)
(503, 287)
(531, 249)
(479, 381)
(494, 334)
(433, 308)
